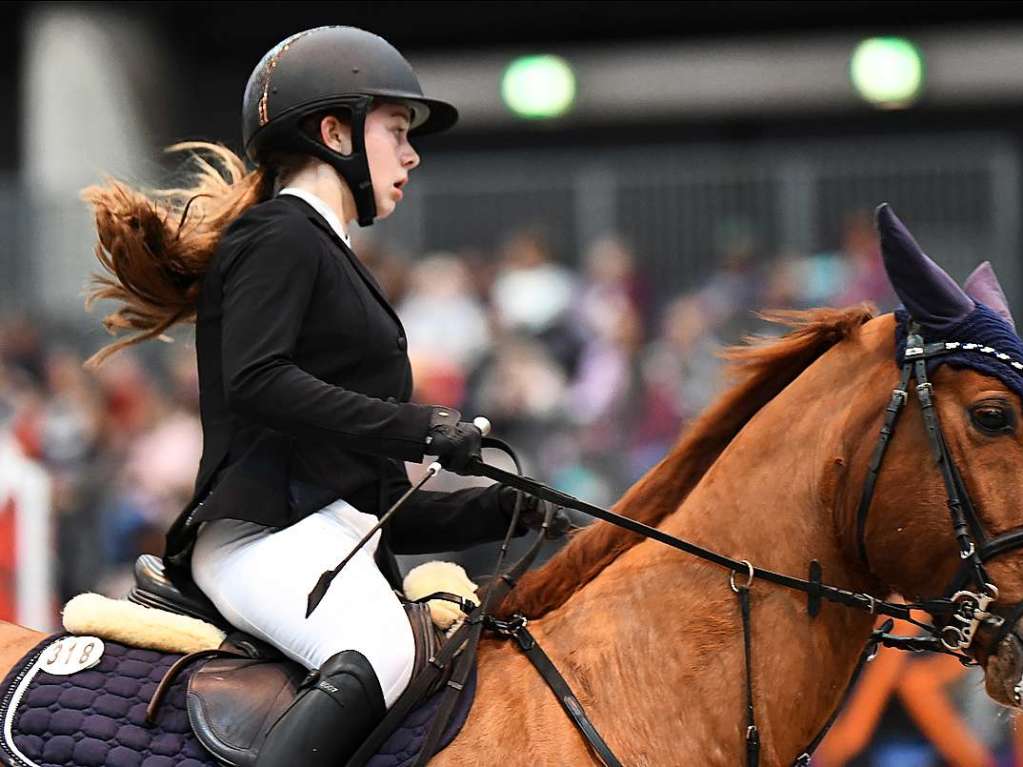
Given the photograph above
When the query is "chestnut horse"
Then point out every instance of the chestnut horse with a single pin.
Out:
(651, 639)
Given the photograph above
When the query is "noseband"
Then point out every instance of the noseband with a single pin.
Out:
(972, 590)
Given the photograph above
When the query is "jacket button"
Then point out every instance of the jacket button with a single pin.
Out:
(402, 343)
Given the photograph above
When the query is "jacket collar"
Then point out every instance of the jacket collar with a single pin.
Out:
(313, 215)
(321, 207)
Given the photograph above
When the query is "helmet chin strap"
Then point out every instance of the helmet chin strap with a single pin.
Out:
(354, 167)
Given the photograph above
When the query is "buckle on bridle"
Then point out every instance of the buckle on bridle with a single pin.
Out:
(508, 628)
(869, 601)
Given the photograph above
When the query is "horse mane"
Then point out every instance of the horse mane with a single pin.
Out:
(761, 368)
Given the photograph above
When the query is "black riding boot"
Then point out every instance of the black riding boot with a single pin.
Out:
(334, 713)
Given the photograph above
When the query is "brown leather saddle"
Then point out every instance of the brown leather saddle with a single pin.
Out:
(235, 697)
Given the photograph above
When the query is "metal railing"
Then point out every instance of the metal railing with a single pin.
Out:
(677, 206)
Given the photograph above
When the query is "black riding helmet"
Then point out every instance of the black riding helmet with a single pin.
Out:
(326, 69)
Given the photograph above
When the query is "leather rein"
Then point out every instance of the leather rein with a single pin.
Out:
(957, 616)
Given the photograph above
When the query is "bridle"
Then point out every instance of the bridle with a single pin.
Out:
(958, 615)
(964, 608)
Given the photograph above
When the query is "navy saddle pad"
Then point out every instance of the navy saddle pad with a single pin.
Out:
(95, 717)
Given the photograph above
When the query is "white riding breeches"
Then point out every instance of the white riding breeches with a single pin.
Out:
(259, 578)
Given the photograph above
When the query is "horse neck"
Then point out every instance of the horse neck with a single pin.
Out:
(657, 636)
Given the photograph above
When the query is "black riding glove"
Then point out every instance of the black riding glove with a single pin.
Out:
(533, 512)
(455, 443)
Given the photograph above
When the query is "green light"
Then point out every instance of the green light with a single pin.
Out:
(538, 87)
(887, 71)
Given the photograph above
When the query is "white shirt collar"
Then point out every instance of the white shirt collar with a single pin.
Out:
(322, 208)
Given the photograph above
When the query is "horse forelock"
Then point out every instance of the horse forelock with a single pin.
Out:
(761, 369)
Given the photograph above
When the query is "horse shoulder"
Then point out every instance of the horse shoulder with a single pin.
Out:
(15, 643)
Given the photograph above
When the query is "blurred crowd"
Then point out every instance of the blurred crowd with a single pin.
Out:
(579, 367)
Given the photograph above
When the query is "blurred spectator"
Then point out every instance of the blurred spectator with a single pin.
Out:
(161, 463)
(389, 267)
(866, 280)
(843, 277)
(521, 383)
(732, 290)
(448, 329)
(603, 378)
(608, 315)
(610, 275)
(70, 421)
(22, 347)
(790, 279)
(681, 373)
(533, 295)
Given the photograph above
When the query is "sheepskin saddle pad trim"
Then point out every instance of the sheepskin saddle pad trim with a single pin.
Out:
(73, 705)
(150, 628)
(144, 627)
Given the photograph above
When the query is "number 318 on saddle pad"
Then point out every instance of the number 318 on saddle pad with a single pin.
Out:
(71, 654)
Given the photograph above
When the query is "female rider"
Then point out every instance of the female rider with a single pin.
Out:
(304, 377)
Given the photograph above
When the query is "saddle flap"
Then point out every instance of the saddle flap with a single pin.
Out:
(233, 702)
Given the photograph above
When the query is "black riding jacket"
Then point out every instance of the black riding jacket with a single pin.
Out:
(304, 386)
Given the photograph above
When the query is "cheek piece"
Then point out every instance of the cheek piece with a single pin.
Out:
(965, 328)
(354, 167)
(972, 593)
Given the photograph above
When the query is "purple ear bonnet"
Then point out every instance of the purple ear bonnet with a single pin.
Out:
(975, 324)
(982, 286)
(933, 298)
(985, 343)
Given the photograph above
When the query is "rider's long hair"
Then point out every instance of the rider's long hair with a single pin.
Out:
(155, 245)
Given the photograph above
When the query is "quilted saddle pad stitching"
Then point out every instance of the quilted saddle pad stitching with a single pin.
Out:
(27, 677)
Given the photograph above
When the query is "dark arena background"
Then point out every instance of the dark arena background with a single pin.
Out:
(628, 184)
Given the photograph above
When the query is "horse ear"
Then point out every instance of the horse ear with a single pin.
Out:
(931, 297)
(982, 285)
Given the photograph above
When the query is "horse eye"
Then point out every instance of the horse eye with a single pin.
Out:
(992, 419)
